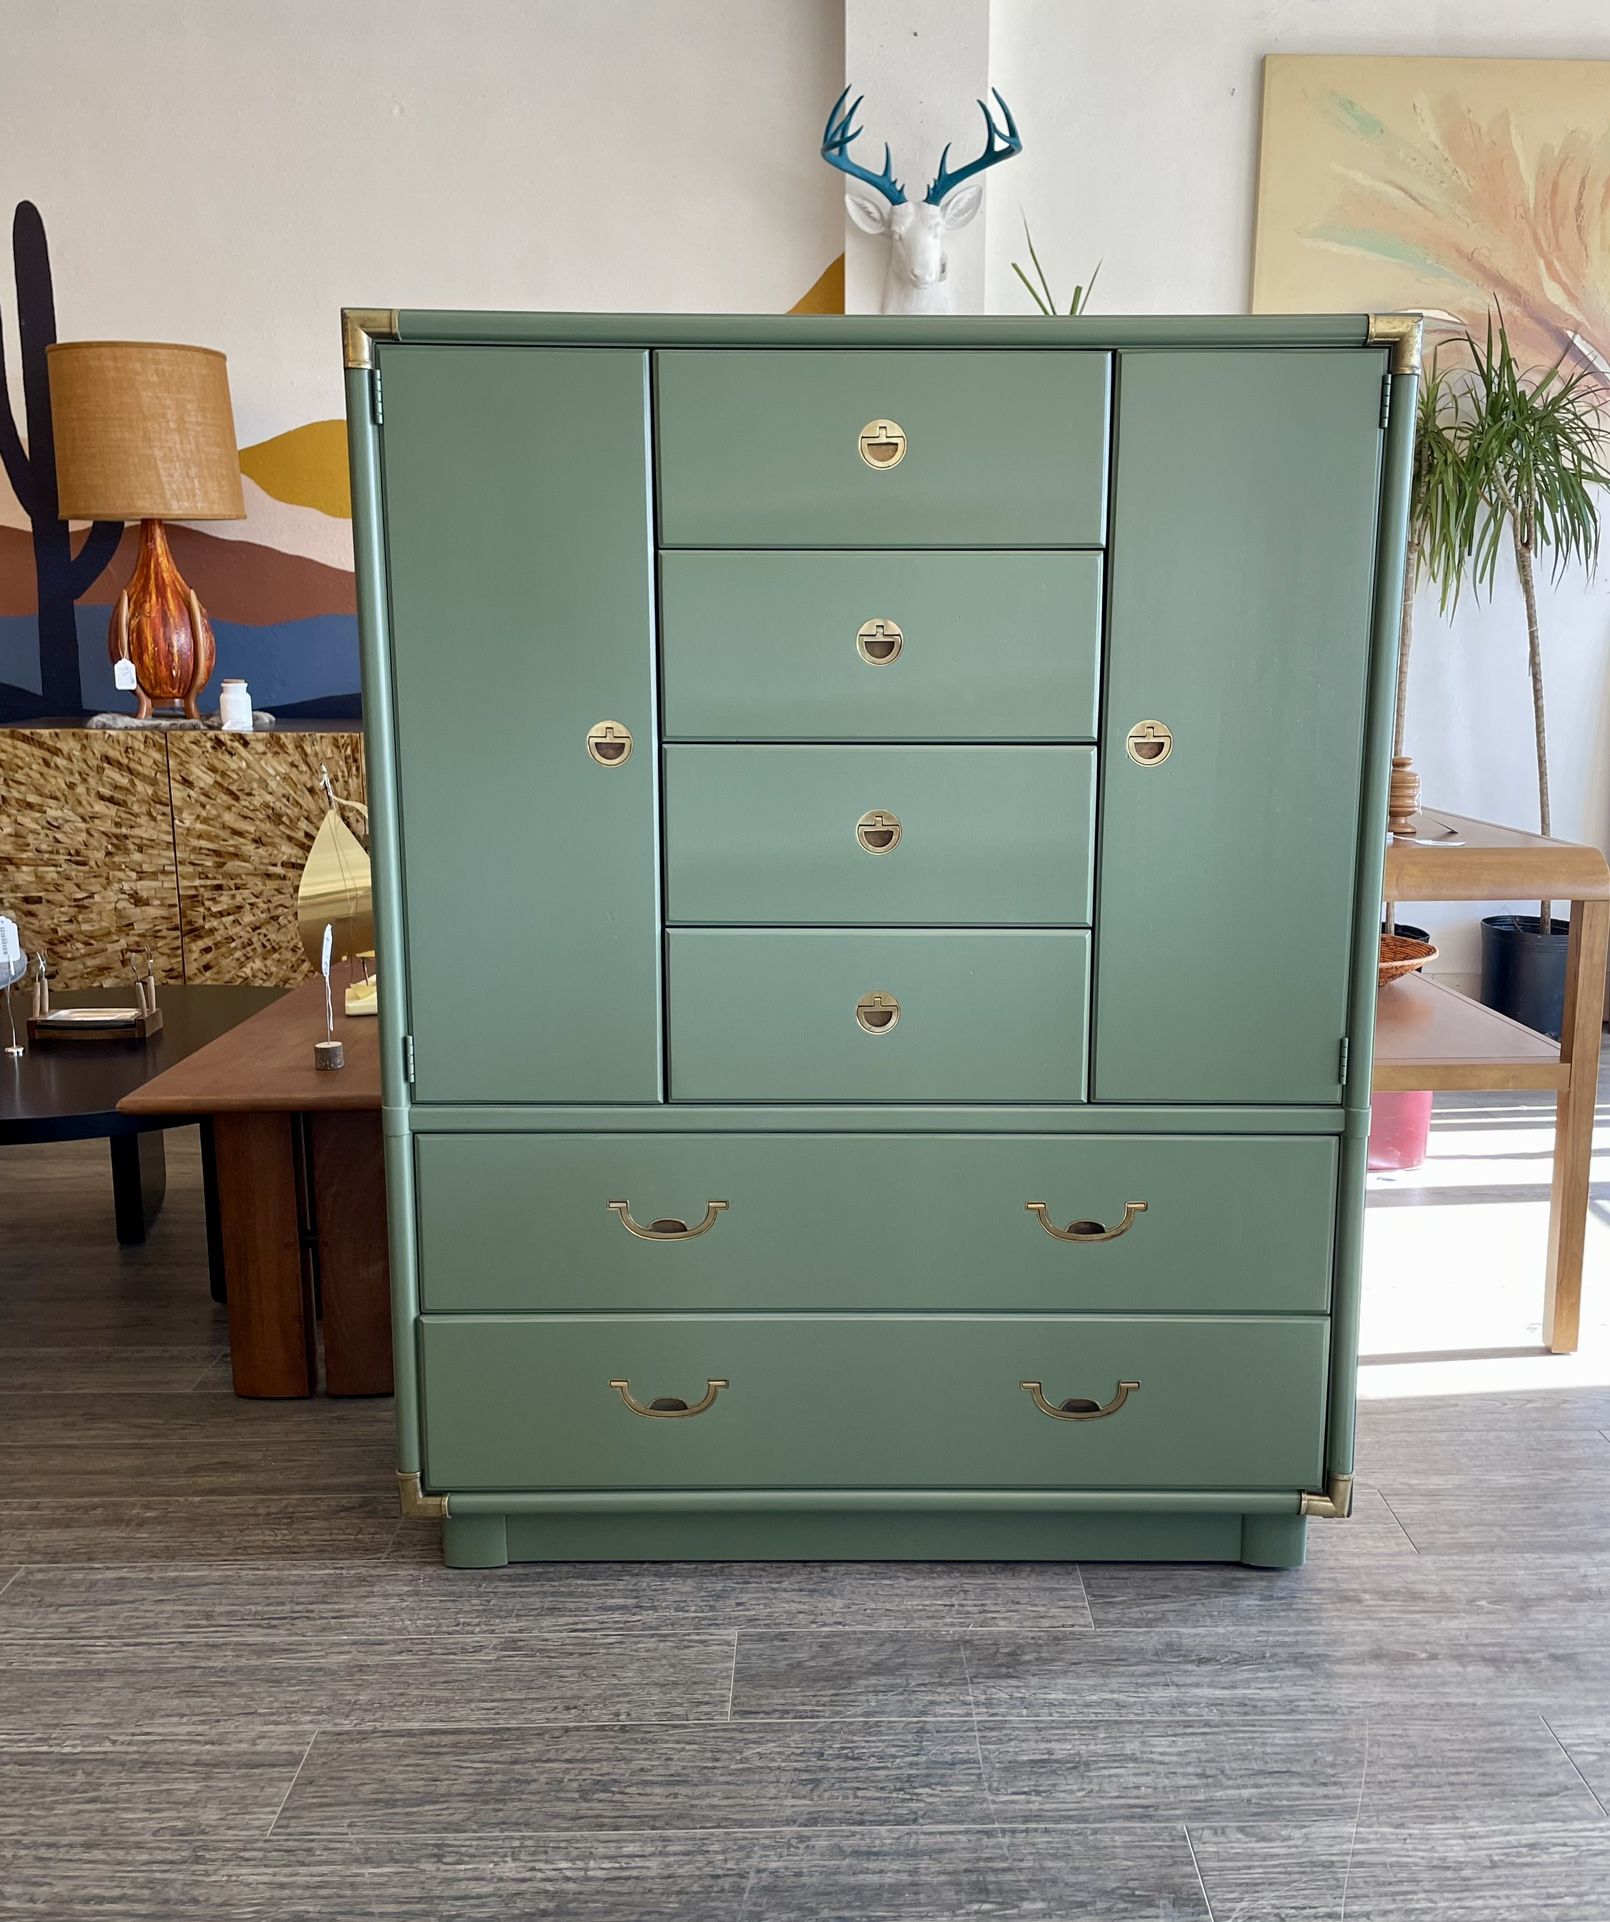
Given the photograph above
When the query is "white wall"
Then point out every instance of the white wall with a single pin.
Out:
(1140, 125)
(235, 171)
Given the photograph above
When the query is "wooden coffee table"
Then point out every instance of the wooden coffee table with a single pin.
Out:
(300, 1194)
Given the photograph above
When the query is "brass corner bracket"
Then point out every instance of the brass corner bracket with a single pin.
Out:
(1400, 332)
(417, 1506)
(360, 328)
(1335, 1505)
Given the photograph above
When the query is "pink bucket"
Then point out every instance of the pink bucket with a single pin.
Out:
(1400, 1128)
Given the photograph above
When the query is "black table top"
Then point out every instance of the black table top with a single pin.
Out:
(67, 1091)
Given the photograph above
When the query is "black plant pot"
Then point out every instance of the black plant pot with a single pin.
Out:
(1407, 929)
(1523, 970)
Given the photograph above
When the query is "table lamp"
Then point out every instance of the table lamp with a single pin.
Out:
(144, 431)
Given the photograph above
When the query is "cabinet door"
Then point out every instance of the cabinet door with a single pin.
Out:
(1242, 569)
(518, 546)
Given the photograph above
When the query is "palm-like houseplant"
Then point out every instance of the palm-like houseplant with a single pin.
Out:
(1534, 447)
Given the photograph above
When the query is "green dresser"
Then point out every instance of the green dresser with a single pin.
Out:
(877, 836)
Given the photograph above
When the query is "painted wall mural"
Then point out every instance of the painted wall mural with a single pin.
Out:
(278, 586)
(1438, 184)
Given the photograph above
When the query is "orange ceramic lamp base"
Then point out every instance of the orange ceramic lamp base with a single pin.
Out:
(159, 627)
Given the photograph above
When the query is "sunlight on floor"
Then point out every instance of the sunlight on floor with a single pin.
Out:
(1454, 1252)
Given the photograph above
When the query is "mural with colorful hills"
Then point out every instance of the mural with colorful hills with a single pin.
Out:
(277, 586)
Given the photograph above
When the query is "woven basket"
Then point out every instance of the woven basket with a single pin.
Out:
(1400, 956)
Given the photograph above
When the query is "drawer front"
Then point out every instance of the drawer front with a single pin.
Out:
(880, 646)
(966, 836)
(764, 449)
(523, 1224)
(805, 1014)
(894, 1401)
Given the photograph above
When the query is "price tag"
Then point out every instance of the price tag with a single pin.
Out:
(123, 676)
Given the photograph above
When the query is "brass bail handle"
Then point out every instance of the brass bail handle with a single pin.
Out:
(877, 1013)
(670, 1227)
(879, 642)
(1076, 1408)
(1086, 1230)
(671, 1407)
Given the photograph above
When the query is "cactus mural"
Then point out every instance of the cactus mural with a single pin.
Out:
(28, 455)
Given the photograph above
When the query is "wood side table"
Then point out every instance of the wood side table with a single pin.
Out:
(300, 1195)
(1428, 1036)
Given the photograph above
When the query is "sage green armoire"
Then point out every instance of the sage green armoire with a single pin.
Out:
(877, 844)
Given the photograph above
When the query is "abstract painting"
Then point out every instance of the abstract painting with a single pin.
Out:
(1441, 185)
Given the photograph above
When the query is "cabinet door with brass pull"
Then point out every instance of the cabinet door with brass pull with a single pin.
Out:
(901, 1401)
(967, 836)
(835, 1221)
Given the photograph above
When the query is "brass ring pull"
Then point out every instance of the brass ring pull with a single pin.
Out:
(669, 1407)
(877, 1013)
(1076, 1409)
(879, 831)
(670, 1227)
(1085, 1230)
(879, 642)
(609, 743)
(882, 444)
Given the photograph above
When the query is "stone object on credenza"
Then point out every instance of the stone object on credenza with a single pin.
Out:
(262, 723)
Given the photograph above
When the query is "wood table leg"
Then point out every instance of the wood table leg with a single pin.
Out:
(139, 1182)
(1573, 1127)
(349, 1221)
(271, 1323)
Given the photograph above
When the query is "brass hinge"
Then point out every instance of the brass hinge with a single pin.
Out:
(1335, 1505)
(1401, 333)
(376, 412)
(408, 1059)
(1386, 398)
(1341, 1062)
(361, 327)
(417, 1506)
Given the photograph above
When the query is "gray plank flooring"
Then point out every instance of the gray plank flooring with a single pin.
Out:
(234, 1684)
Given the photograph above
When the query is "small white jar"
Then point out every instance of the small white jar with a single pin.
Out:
(234, 707)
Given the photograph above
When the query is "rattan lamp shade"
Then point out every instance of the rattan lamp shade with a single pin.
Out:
(144, 431)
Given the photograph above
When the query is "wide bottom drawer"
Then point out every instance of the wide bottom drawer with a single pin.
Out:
(711, 1223)
(818, 1401)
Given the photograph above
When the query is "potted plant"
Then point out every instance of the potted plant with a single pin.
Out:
(1042, 295)
(1535, 444)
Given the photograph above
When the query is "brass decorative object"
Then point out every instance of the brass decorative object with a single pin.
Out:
(879, 642)
(1076, 1408)
(879, 831)
(877, 1013)
(882, 444)
(1086, 1230)
(668, 1228)
(334, 891)
(609, 743)
(670, 1407)
(1149, 743)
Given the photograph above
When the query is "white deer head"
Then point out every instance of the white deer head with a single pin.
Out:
(918, 280)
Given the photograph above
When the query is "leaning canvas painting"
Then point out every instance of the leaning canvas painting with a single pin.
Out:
(1440, 185)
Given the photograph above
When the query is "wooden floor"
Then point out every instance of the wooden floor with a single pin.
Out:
(236, 1686)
